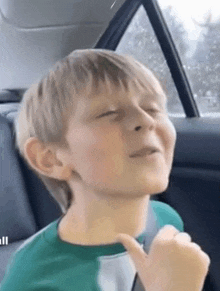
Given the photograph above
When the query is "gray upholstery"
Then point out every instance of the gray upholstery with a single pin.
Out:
(25, 204)
(5, 254)
(17, 220)
(26, 14)
(196, 134)
(36, 34)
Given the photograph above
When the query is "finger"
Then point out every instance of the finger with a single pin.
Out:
(130, 244)
(183, 236)
(168, 232)
(207, 258)
(137, 254)
(196, 246)
(134, 249)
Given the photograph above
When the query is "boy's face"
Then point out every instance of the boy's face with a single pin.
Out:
(100, 147)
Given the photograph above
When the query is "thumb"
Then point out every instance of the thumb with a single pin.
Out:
(137, 254)
(132, 246)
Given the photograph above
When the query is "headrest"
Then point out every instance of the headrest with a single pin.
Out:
(34, 35)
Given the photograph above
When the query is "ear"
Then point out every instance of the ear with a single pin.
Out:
(43, 159)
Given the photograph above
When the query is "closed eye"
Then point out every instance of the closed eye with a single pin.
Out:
(153, 110)
(107, 113)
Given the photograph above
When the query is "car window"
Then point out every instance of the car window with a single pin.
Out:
(195, 32)
(139, 40)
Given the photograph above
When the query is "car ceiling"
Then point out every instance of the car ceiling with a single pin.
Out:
(35, 34)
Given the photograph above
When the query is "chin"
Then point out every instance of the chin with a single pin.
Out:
(158, 186)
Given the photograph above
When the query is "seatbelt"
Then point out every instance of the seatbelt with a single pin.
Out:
(151, 231)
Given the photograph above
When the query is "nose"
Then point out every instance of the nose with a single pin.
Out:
(142, 119)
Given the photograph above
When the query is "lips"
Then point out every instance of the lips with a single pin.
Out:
(144, 151)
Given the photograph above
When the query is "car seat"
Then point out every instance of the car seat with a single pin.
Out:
(25, 204)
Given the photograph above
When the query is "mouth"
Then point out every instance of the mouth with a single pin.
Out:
(145, 151)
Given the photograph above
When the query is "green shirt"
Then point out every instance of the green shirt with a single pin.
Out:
(46, 263)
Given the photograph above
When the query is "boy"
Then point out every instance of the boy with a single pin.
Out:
(96, 131)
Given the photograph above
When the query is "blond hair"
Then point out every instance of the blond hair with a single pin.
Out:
(46, 106)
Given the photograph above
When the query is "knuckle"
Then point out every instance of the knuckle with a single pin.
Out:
(170, 227)
(207, 258)
(177, 244)
(195, 245)
(183, 236)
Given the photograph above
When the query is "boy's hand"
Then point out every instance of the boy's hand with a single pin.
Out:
(173, 263)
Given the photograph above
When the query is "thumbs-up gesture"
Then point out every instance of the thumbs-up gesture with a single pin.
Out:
(174, 262)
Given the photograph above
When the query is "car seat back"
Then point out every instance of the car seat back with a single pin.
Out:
(25, 203)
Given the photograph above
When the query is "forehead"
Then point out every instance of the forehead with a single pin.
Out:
(108, 93)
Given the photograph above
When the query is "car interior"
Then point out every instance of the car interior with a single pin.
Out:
(35, 34)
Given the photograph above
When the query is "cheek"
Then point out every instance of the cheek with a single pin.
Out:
(168, 139)
(100, 151)
(108, 148)
(108, 140)
(171, 142)
(173, 135)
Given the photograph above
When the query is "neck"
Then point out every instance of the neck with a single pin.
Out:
(96, 221)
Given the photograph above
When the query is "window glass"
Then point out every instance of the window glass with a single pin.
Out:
(199, 48)
(139, 40)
